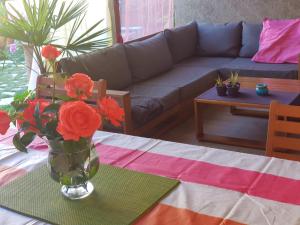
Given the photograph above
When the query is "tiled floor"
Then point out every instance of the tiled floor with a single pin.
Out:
(218, 120)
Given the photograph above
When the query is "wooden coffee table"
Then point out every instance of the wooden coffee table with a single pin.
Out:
(282, 90)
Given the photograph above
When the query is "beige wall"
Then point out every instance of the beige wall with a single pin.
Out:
(234, 10)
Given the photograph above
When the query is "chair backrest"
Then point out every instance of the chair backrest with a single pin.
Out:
(45, 88)
(284, 132)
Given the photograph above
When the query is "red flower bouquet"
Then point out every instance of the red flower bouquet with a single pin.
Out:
(69, 120)
(67, 127)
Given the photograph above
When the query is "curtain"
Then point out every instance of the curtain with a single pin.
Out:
(144, 17)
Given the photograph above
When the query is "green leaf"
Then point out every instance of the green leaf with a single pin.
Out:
(21, 97)
(25, 126)
(52, 108)
(27, 138)
(65, 180)
(51, 129)
(64, 98)
(18, 143)
(37, 117)
(19, 107)
(75, 146)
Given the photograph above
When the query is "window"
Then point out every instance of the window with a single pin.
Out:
(144, 17)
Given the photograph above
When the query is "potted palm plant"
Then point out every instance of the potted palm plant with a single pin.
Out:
(233, 86)
(38, 23)
(221, 87)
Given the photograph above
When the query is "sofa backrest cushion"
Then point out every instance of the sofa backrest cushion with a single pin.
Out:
(182, 41)
(250, 39)
(149, 57)
(109, 64)
(223, 40)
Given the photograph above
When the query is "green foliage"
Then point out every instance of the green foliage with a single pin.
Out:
(22, 142)
(234, 79)
(42, 21)
(219, 82)
(25, 134)
(22, 97)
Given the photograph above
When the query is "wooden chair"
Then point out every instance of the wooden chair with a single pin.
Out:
(45, 88)
(284, 132)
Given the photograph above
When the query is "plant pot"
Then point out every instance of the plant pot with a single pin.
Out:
(233, 91)
(221, 90)
(73, 164)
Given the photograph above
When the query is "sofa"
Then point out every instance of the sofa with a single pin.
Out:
(155, 78)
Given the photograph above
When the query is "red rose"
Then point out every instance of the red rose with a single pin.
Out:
(77, 119)
(79, 86)
(27, 115)
(111, 110)
(50, 52)
(4, 122)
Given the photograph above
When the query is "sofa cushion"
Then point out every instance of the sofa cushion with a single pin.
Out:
(148, 101)
(144, 109)
(246, 67)
(182, 41)
(250, 39)
(210, 62)
(167, 96)
(149, 57)
(191, 81)
(109, 64)
(279, 42)
(222, 40)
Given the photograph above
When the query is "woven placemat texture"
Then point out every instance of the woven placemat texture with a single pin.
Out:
(119, 198)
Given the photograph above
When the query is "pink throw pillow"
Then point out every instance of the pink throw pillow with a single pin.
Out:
(279, 42)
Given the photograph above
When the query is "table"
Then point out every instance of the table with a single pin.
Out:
(282, 90)
(217, 186)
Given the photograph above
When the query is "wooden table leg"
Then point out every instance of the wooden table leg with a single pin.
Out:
(198, 119)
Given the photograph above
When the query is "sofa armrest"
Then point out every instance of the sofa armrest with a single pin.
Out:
(123, 98)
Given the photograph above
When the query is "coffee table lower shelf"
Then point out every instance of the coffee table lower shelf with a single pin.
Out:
(225, 140)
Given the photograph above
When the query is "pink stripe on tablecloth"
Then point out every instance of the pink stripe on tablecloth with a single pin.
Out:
(38, 143)
(251, 182)
(8, 174)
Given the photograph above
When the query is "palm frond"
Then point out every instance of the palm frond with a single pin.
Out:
(43, 18)
(69, 13)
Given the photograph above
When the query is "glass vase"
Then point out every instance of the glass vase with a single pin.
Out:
(73, 164)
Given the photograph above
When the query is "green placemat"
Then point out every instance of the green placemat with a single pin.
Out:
(120, 197)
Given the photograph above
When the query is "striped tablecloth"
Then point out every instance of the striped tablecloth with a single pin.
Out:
(217, 186)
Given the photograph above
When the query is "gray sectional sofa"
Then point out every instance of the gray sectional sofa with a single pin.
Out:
(156, 77)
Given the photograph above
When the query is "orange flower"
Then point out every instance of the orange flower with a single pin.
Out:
(79, 86)
(27, 115)
(77, 119)
(110, 109)
(4, 122)
(50, 52)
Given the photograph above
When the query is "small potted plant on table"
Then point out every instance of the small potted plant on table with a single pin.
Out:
(221, 87)
(233, 86)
